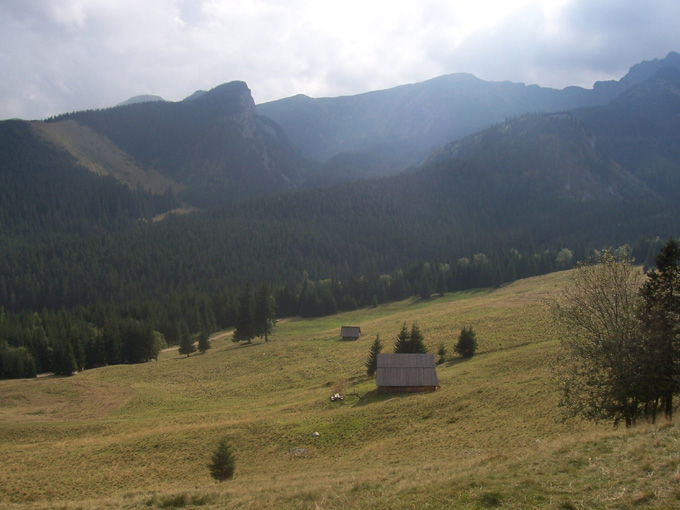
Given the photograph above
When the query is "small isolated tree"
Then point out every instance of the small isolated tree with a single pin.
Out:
(245, 326)
(264, 313)
(186, 345)
(222, 464)
(372, 361)
(204, 341)
(441, 352)
(467, 342)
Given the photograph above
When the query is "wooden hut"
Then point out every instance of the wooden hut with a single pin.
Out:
(406, 372)
(350, 332)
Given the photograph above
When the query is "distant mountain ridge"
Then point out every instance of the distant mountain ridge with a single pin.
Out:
(214, 146)
(400, 126)
(146, 98)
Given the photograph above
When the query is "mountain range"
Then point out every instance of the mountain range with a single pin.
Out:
(318, 187)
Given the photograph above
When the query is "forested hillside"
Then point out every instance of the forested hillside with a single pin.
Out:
(524, 197)
(215, 145)
(390, 130)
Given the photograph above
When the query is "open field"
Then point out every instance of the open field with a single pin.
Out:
(140, 436)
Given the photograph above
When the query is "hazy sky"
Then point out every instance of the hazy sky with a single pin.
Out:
(58, 56)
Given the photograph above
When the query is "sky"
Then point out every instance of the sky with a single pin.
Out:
(58, 56)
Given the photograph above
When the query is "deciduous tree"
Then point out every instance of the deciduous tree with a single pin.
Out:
(601, 367)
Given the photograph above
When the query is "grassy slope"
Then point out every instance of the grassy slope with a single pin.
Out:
(140, 436)
(100, 156)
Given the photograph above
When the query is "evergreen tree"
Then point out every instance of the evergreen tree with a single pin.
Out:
(245, 331)
(416, 340)
(186, 344)
(410, 342)
(264, 313)
(222, 464)
(372, 361)
(204, 341)
(467, 343)
(401, 345)
(441, 352)
(661, 319)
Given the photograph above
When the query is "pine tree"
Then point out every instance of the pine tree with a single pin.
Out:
(410, 342)
(372, 361)
(660, 312)
(467, 343)
(186, 345)
(264, 313)
(204, 341)
(222, 464)
(416, 340)
(244, 331)
(401, 345)
(441, 352)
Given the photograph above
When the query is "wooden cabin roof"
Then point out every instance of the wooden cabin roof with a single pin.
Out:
(350, 331)
(410, 370)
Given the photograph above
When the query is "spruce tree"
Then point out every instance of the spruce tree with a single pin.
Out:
(401, 345)
(222, 464)
(416, 340)
(467, 343)
(204, 341)
(186, 345)
(244, 331)
(410, 342)
(660, 312)
(372, 361)
(264, 313)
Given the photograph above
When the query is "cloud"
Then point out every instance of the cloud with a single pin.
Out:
(64, 55)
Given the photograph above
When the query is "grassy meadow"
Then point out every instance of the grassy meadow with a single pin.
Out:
(140, 436)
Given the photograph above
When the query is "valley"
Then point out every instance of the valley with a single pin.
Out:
(492, 435)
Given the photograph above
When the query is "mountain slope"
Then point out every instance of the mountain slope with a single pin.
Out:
(46, 194)
(403, 124)
(528, 185)
(215, 145)
(642, 128)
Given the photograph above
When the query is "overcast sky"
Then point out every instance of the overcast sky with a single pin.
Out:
(58, 56)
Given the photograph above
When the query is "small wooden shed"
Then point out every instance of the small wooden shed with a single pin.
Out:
(406, 372)
(350, 332)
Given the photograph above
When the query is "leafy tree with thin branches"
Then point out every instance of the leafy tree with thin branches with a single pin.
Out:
(601, 364)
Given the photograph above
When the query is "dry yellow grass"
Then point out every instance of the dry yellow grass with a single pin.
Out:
(140, 436)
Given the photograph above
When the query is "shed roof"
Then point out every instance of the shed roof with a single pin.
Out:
(406, 370)
(350, 331)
